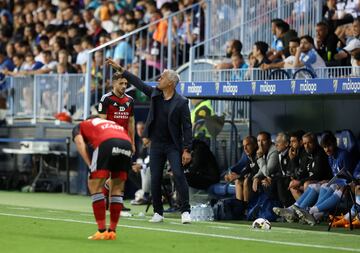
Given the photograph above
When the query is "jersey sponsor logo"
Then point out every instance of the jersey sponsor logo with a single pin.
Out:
(122, 108)
(120, 151)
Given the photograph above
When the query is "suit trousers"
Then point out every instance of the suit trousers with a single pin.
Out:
(159, 154)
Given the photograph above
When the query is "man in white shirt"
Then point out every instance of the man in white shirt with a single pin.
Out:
(306, 55)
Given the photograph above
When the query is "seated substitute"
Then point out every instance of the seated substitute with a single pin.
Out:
(111, 158)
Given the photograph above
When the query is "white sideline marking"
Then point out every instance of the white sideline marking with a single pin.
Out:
(192, 233)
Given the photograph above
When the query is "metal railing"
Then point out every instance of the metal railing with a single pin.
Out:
(259, 74)
(255, 25)
(148, 50)
(42, 96)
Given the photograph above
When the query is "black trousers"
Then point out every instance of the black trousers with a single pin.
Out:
(283, 193)
(159, 154)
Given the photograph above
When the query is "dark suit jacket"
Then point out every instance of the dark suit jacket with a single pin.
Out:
(179, 121)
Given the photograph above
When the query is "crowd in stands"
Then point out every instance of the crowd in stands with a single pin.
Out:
(335, 44)
(35, 33)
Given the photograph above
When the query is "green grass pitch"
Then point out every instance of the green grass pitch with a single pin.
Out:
(39, 222)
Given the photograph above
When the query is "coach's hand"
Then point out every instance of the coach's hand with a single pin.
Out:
(115, 65)
(186, 157)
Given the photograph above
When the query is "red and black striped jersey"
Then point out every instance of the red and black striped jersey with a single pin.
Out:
(117, 109)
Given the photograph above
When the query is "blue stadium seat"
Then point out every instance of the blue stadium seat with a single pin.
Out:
(348, 140)
(340, 144)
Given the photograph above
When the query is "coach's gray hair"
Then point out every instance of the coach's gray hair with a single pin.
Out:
(284, 136)
(173, 76)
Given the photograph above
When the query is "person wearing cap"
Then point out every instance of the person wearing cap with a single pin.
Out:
(352, 46)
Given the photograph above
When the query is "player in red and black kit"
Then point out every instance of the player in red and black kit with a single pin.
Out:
(111, 158)
(118, 107)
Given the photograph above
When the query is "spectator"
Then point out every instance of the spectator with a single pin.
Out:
(49, 66)
(352, 46)
(30, 64)
(95, 31)
(326, 44)
(259, 51)
(239, 67)
(82, 50)
(123, 52)
(278, 51)
(5, 62)
(64, 59)
(232, 47)
(287, 62)
(306, 56)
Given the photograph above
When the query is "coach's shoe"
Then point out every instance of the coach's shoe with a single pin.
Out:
(111, 235)
(185, 218)
(156, 218)
(99, 236)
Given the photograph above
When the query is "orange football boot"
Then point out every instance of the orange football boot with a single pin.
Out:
(99, 236)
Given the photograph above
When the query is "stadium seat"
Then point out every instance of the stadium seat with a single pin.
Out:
(339, 140)
(348, 140)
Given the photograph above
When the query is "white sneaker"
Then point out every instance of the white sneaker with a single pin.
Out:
(185, 218)
(157, 218)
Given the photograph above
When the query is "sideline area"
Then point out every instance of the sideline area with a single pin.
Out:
(45, 220)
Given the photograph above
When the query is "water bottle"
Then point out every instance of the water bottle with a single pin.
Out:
(211, 213)
(203, 213)
(194, 214)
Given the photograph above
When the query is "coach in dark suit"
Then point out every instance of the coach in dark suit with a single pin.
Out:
(168, 127)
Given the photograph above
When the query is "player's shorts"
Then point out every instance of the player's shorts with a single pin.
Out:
(112, 157)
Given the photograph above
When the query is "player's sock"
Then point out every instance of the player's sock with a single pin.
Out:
(98, 205)
(311, 196)
(302, 197)
(326, 194)
(116, 205)
(330, 202)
